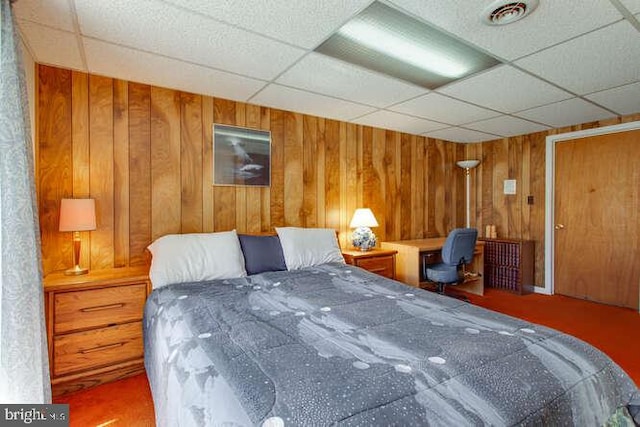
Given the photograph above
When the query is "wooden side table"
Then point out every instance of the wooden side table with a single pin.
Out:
(379, 261)
(94, 326)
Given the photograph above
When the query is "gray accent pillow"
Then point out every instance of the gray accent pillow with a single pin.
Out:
(262, 253)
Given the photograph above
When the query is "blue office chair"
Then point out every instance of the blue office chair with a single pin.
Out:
(456, 253)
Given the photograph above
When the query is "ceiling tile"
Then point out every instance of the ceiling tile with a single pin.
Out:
(443, 109)
(570, 112)
(506, 126)
(622, 100)
(229, 48)
(399, 122)
(632, 5)
(52, 47)
(286, 98)
(129, 64)
(505, 89)
(161, 28)
(52, 13)
(302, 23)
(455, 134)
(600, 60)
(328, 76)
(552, 22)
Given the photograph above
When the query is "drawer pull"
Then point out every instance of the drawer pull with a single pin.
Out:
(101, 307)
(102, 347)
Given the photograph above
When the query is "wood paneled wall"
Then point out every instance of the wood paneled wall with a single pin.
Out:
(145, 154)
(521, 158)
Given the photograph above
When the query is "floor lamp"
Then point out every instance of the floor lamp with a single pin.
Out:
(467, 165)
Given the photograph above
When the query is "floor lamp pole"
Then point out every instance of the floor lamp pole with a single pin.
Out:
(467, 165)
(468, 185)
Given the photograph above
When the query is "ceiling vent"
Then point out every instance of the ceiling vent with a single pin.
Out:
(503, 12)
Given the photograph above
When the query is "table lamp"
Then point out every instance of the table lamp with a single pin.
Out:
(363, 238)
(77, 215)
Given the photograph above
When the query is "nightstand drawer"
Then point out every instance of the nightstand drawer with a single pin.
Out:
(99, 347)
(98, 307)
(382, 265)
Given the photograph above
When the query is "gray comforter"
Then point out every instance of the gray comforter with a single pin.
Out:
(335, 344)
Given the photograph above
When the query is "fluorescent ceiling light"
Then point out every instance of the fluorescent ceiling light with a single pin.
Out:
(388, 41)
(399, 47)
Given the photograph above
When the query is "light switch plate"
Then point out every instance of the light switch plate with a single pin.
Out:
(509, 186)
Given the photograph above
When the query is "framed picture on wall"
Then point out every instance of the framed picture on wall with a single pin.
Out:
(241, 156)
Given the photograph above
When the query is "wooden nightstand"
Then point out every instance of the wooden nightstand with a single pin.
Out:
(94, 326)
(379, 261)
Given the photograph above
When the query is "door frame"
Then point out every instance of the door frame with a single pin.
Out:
(550, 173)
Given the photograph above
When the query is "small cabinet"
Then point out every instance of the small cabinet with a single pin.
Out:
(379, 261)
(509, 264)
(94, 326)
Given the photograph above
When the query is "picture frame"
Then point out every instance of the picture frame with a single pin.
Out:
(241, 156)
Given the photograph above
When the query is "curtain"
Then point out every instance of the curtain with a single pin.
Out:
(24, 365)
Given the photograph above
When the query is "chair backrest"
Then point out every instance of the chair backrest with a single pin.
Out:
(459, 246)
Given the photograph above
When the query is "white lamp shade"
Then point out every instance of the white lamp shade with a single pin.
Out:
(468, 164)
(77, 215)
(363, 217)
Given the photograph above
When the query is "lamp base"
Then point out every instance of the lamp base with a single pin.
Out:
(363, 239)
(76, 271)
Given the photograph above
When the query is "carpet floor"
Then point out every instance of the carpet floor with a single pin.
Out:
(611, 329)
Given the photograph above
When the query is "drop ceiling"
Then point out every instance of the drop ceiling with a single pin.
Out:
(569, 62)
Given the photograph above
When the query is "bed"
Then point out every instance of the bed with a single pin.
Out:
(332, 344)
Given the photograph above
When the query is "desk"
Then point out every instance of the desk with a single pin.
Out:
(410, 253)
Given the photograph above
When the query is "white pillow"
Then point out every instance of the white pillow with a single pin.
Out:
(305, 247)
(179, 258)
